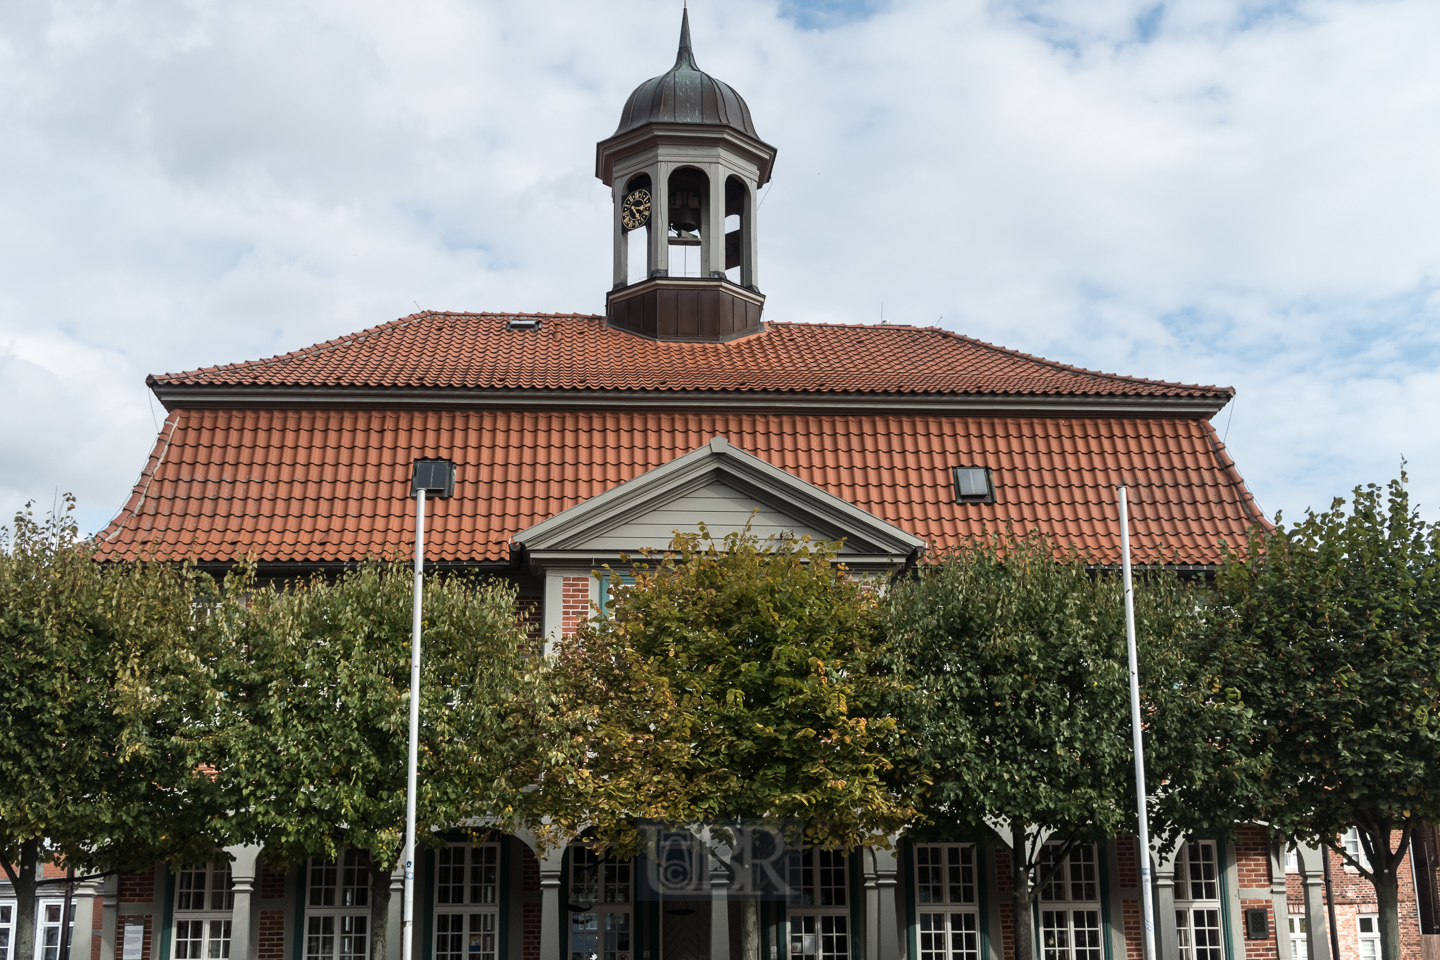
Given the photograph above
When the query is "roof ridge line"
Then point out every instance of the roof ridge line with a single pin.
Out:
(359, 335)
(141, 490)
(1227, 463)
(1071, 368)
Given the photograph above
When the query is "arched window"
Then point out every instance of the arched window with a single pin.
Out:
(637, 240)
(688, 203)
(737, 215)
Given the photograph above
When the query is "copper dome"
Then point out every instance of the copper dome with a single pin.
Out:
(686, 94)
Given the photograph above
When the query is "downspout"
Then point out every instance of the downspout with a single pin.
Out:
(1330, 905)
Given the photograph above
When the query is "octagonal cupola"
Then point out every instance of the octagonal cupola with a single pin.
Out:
(683, 168)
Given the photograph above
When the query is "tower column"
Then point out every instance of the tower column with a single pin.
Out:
(712, 235)
(622, 241)
(749, 239)
(659, 259)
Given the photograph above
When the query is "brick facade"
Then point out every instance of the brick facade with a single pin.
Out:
(272, 882)
(529, 870)
(271, 944)
(530, 931)
(137, 888)
(574, 603)
(1354, 897)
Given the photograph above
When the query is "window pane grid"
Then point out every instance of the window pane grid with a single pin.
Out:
(945, 873)
(1076, 879)
(1197, 871)
(1070, 934)
(1199, 934)
(948, 936)
(820, 937)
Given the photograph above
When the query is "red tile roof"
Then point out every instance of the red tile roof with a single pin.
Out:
(579, 352)
(312, 486)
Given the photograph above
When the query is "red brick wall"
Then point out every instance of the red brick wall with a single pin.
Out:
(1134, 928)
(122, 922)
(574, 603)
(529, 931)
(137, 887)
(531, 609)
(1252, 857)
(529, 870)
(272, 934)
(1259, 949)
(1126, 847)
(1355, 895)
(1004, 878)
(272, 882)
(1007, 931)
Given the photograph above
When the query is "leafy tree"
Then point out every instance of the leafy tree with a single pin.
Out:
(105, 710)
(735, 680)
(1018, 694)
(1328, 629)
(315, 750)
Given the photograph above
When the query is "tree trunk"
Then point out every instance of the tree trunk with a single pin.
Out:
(379, 910)
(1387, 897)
(1024, 897)
(23, 879)
(750, 929)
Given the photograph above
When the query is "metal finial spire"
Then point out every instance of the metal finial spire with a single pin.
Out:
(685, 56)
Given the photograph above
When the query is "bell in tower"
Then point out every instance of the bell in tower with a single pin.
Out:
(685, 162)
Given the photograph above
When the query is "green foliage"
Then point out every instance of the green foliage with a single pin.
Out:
(1328, 630)
(737, 679)
(1015, 664)
(106, 711)
(318, 684)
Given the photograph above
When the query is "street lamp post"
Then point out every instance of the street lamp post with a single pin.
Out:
(1136, 728)
(432, 478)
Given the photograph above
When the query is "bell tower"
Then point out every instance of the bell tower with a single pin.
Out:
(683, 169)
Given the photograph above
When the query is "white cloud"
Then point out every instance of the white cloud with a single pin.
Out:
(1213, 191)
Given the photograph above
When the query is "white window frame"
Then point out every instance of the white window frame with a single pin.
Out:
(606, 931)
(1368, 938)
(467, 927)
(947, 918)
(214, 915)
(1198, 917)
(1299, 937)
(43, 927)
(346, 920)
(817, 921)
(7, 925)
(1351, 842)
(1073, 894)
(1292, 859)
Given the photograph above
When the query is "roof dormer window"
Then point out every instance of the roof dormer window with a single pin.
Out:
(974, 485)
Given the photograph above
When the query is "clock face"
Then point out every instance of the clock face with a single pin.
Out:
(635, 209)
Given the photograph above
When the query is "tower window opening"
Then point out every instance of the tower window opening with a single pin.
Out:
(636, 262)
(732, 240)
(687, 212)
(636, 208)
(737, 212)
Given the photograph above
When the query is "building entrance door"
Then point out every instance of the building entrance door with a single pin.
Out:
(685, 931)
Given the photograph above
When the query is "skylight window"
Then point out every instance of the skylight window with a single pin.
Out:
(974, 485)
(523, 323)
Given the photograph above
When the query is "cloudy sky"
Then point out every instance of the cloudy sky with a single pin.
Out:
(1211, 191)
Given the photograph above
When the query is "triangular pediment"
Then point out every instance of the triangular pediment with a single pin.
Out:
(723, 487)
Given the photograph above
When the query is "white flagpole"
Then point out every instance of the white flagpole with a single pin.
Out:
(407, 923)
(1145, 892)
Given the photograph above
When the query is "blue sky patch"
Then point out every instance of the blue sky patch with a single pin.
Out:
(828, 14)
